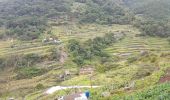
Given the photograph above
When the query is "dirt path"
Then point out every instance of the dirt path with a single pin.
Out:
(58, 88)
(63, 57)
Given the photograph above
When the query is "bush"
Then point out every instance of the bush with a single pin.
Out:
(132, 59)
(39, 86)
(78, 60)
(2, 64)
(153, 28)
(32, 58)
(98, 11)
(90, 49)
(26, 28)
(100, 68)
(149, 57)
(143, 71)
(158, 92)
(55, 54)
(29, 72)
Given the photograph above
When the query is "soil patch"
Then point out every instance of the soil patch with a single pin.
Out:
(166, 77)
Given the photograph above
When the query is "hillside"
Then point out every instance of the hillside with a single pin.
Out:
(157, 9)
(120, 46)
(27, 19)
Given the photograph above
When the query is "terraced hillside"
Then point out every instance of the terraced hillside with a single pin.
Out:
(133, 44)
(143, 73)
(86, 31)
(9, 48)
(14, 47)
(54, 48)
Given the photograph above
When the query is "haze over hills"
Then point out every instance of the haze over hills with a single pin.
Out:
(120, 46)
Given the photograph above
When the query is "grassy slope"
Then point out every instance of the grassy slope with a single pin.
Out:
(120, 75)
(38, 47)
(156, 92)
(134, 45)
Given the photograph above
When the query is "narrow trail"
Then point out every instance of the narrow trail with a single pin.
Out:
(63, 55)
(59, 88)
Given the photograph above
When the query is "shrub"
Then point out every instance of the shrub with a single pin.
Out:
(26, 28)
(78, 60)
(153, 59)
(2, 60)
(143, 71)
(32, 58)
(29, 72)
(132, 59)
(39, 86)
(55, 54)
(90, 49)
(158, 92)
(100, 68)
(154, 28)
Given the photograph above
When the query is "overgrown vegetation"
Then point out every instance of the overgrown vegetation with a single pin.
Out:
(25, 28)
(27, 20)
(90, 48)
(156, 9)
(154, 28)
(19, 60)
(158, 92)
(29, 72)
(105, 12)
(102, 34)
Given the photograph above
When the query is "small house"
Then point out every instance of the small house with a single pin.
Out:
(86, 70)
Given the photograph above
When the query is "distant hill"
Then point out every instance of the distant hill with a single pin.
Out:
(156, 9)
(27, 19)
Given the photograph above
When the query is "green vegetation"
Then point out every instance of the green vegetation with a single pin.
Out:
(27, 28)
(156, 9)
(27, 20)
(105, 12)
(39, 86)
(158, 92)
(46, 43)
(91, 48)
(29, 72)
(153, 28)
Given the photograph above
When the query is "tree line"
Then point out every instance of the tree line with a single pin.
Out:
(153, 28)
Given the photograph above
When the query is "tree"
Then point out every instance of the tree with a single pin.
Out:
(73, 45)
(55, 54)
(79, 61)
(154, 28)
